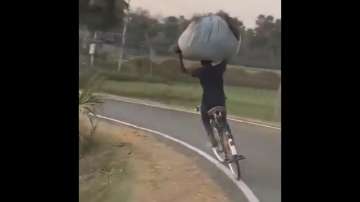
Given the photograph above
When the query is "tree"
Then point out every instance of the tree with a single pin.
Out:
(248, 36)
(141, 26)
(171, 29)
(276, 38)
(262, 45)
(183, 23)
(102, 14)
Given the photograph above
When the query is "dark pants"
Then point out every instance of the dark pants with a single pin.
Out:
(206, 122)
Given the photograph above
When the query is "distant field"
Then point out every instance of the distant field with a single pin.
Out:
(241, 101)
(168, 70)
(161, 59)
(251, 92)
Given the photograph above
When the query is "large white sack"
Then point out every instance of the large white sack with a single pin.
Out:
(208, 38)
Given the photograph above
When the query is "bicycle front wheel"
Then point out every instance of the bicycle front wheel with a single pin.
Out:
(233, 164)
(219, 150)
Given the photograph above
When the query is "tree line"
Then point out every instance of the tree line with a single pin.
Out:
(261, 46)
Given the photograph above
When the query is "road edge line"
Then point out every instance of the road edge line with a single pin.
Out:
(161, 106)
(240, 184)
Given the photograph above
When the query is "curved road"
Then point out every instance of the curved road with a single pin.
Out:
(261, 145)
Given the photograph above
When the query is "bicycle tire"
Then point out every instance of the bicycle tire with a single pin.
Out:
(220, 156)
(234, 165)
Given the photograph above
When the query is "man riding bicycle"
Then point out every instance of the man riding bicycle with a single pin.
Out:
(211, 80)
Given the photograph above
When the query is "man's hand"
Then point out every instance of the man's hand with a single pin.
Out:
(182, 67)
(178, 50)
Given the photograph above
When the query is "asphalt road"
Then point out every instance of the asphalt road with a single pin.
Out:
(261, 145)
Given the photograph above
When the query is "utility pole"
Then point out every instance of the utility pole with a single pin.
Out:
(126, 20)
(92, 49)
(151, 52)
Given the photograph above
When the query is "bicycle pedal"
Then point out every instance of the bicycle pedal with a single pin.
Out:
(239, 157)
(235, 158)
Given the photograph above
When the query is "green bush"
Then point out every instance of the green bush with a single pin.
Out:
(260, 79)
(168, 71)
(85, 75)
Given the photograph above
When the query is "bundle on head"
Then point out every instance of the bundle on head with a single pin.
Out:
(213, 37)
(232, 22)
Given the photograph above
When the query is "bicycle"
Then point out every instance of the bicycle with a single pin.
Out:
(225, 151)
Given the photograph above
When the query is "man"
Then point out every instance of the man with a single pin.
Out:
(211, 80)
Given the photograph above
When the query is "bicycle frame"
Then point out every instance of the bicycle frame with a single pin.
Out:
(221, 126)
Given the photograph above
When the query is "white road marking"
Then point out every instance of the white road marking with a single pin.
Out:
(134, 101)
(240, 184)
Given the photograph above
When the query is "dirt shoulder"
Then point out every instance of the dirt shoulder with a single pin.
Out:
(124, 164)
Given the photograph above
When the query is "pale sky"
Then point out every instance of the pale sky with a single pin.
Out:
(245, 10)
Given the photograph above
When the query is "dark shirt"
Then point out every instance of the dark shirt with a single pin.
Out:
(211, 80)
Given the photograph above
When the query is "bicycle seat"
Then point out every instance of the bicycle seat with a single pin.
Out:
(216, 110)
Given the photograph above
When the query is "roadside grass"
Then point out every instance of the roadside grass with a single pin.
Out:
(251, 92)
(241, 101)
